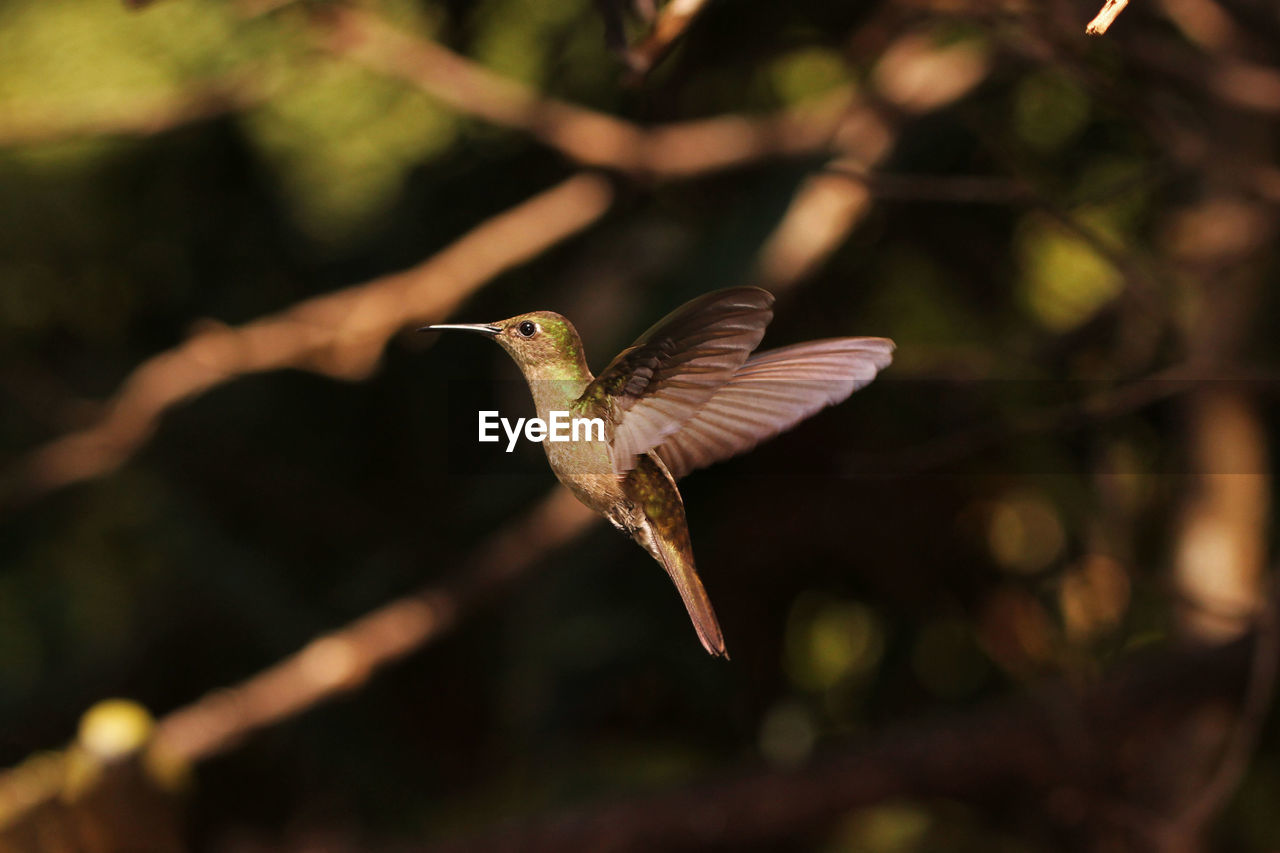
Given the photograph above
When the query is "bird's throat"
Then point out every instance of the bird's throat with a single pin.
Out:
(556, 387)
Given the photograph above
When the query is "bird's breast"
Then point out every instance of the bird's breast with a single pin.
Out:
(585, 467)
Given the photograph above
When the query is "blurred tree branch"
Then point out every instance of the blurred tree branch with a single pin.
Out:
(588, 137)
(1036, 743)
(913, 77)
(1190, 823)
(1025, 747)
(343, 334)
(339, 334)
(669, 25)
(1128, 742)
(336, 663)
(344, 660)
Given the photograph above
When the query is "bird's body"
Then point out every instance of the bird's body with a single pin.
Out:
(687, 393)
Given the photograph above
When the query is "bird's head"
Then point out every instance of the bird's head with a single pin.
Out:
(544, 344)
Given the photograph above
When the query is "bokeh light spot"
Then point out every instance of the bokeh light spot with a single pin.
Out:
(808, 72)
(830, 640)
(787, 733)
(1063, 280)
(1094, 597)
(1025, 533)
(1049, 111)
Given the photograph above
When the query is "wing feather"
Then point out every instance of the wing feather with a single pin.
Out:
(661, 381)
(770, 393)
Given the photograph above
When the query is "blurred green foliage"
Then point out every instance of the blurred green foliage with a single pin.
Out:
(855, 587)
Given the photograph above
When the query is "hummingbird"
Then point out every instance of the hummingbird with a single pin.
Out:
(689, 392)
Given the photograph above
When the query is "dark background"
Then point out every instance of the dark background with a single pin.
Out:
(1061, 485)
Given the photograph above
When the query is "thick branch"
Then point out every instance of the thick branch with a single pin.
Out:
(340, 334)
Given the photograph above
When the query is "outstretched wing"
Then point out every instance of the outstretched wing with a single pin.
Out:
(772, 392)
(663, 379)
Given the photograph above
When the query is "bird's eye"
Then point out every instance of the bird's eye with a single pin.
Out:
(527, 328)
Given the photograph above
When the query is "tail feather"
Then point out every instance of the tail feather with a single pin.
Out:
(659, 525)
(674, 552)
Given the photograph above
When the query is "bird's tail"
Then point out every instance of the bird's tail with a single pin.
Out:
(670, 545)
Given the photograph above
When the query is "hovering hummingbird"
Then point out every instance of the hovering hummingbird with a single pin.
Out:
(687, 393)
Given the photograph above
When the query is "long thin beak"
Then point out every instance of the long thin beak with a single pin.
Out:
(482, 328)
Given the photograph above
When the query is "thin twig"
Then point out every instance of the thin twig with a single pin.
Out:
(340, 334)
(671, 24)
(1106, 17)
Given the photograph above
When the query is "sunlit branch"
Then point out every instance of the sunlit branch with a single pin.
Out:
(671, 23)
(586, 136)
(328, 666)
(344, 660)
(1105, 17)
(913, 77)
(340, 334)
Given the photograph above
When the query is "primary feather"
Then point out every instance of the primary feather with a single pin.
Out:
(662, 380)
(770, 393)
